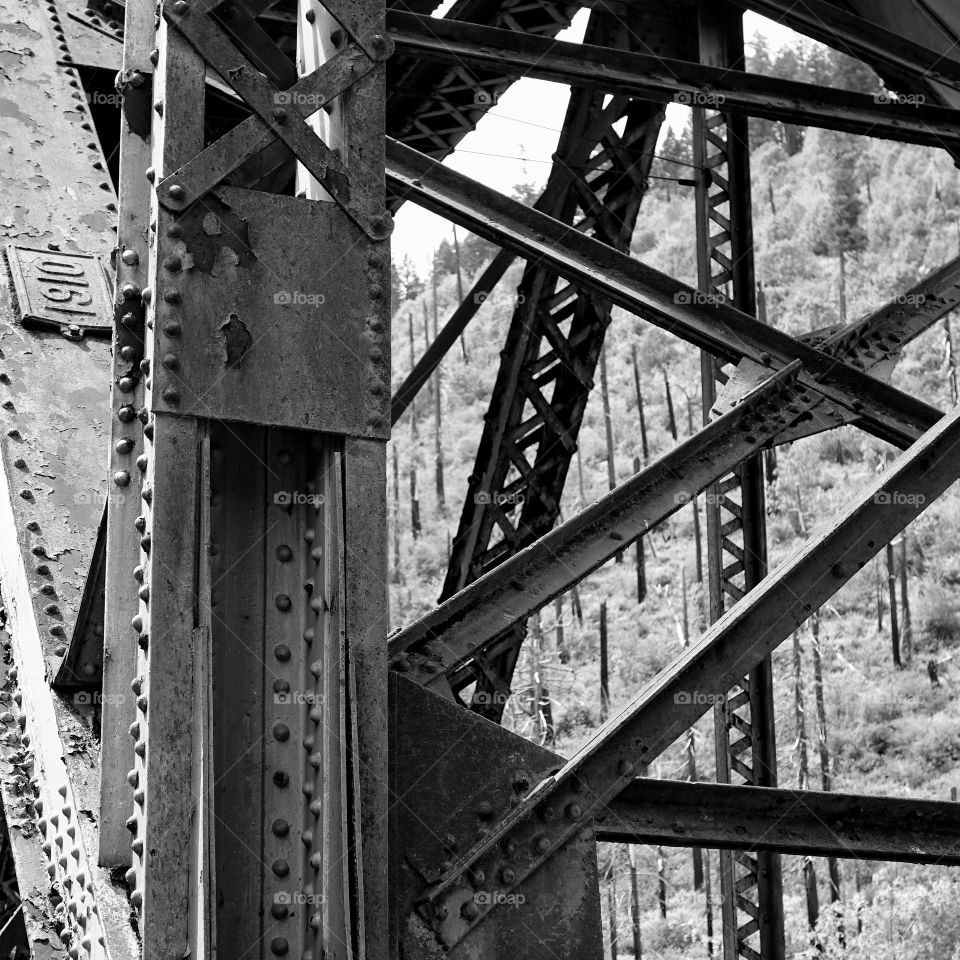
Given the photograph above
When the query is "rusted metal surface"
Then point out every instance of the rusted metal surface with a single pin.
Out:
(441, 762)
(56, 197)
(284, 278)
(671, 80)
(716, 327)
(675, 813)
(674, 700)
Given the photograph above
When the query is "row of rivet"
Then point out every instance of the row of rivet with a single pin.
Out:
(378, 384)
(86, 124)
(77, 914)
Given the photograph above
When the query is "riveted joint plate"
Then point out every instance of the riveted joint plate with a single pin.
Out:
(242, 335)
(66, 292)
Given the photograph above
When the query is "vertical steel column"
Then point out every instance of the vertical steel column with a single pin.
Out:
(751, 884)
(259, 623)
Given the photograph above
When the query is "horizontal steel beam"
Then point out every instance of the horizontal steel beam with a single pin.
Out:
(659, 78)
(528, 580)
(680, 814)
(842, 30)
(557, 808)
(706, 322)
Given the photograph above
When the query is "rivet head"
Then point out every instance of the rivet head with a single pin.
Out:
(574, 811)
(280, 867)
(282, 652)
(130, 291)
(279, 114)
(172, 263)
(284, 553)
(172, 329)
(126, 414)
(508, 875)
(279, 946)
(126, 384)
(124, 445)
(281, 732)
(542, 844)
(175, 231)
(144, 593)
(282, 602)
(375, 291)
(130, 257)
(470, 910)
(280, 779)
(171, 395)
(172, 296)
(170, 361)
(142, 461)
(176, 192)
(121, 478)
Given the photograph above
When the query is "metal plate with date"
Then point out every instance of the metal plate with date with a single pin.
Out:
(66, 292)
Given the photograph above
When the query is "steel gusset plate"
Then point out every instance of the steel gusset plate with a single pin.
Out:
(250, 341)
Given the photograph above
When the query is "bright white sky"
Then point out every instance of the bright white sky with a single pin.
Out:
(513, 143)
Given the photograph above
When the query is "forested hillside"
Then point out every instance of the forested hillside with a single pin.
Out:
(842, 225)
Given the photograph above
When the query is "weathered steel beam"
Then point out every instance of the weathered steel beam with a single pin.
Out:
(528, 580)
(679, 814)
(838, 28)
(713, 325)
(556, 809)
(659, 78)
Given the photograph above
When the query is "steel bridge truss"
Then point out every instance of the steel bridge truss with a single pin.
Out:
(272, 776)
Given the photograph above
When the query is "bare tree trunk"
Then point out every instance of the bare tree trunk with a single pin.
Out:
(583, 496)
(662, 882)
(843, 287)
(456, 253)
(540, 695)
(396, 516)
(906, 627)
(414, 445)
(437, 417)
(708, 898)
(671, 417)
(695, 505)
(643, 419)
(634, 904)
(892, 589)
(879, 591)
(575, 604)
(803, 776)
(604, 665)
(951, 360)
(608, 427)
(641, 558)
(612, 911)
(833, 866)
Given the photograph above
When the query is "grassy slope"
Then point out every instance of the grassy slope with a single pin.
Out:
(890, 731)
